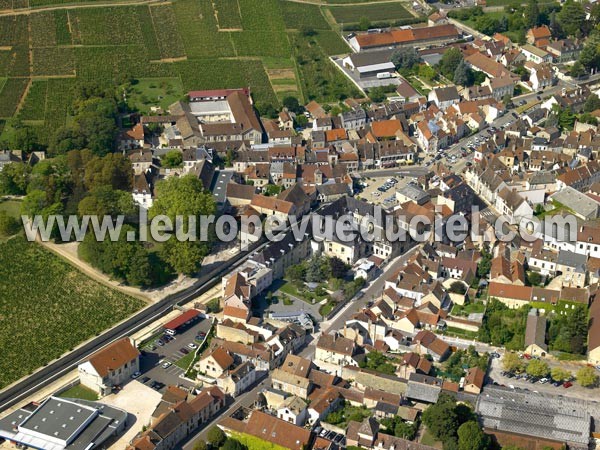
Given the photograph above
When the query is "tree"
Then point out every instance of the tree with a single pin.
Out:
(364, 23)
(106, 201)
(405, 58)
(532, 14)
(184, 256)
(377, 94)
(463, 75)
(507, 100)
(487, 25)
(537, 368)
(592, 103)
(111, 170)
(216, 437)
(458, 287)
(307, 30)
(172, 159)
(511, 362)
(578, 70)
(441, 418)
(534, 278)
(200, 445)
(559, 374)
(292, 104)
(449, 62)
(8, 225)
(182, 196)
(232, 444)
(14, 178)
(471, 437)
(338, 267)
(571, 18)
(295, 272)
(586, 377)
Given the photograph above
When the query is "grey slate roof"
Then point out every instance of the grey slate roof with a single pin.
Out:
(540, 415)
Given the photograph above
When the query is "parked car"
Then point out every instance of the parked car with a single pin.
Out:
(145, 380)
(192, 346)
(557, 383)
(567, 385)
(166, 365)
(184, 350)
(135, 375)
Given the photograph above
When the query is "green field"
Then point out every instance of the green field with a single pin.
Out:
(11, 207)
(384, 11)
(276, 47)
(48, 308)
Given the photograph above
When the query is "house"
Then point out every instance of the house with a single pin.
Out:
(215, 363)
(444, 97)
(237, 380)
(426, 342)
(474, 380)
(110, 367)
(132, 138)
(501, 86)
(478, 61)
(564, 50)
(539, 36)
(176, 420)
(335, 349)
(269, 429)
(573, 267)
(513, 206)
(535, 334)
(362, 434)
(536, 54)
(541, 75)
(413, 363)
(293, 410)
(512, 296)
(142, 190)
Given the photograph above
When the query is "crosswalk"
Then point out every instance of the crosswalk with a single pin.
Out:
(488, 215)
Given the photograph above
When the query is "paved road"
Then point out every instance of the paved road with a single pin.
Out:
(409, 171)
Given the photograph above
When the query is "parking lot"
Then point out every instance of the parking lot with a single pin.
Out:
(574, 390)
(158, 362)
(382, 191)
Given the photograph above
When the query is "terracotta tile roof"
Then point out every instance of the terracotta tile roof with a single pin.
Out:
(475, 376)
(510, 291)
(113, 356)
(222, 357)
(386, 128)
(277, 431)
(337, 134)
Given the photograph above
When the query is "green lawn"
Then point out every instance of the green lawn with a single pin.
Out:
(12, 207)
(185, 362)
(79, 391)
(148, 92)
(49, 307)
(469, 308)
(428, 439)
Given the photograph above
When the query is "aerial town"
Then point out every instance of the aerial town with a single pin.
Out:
(308, 340)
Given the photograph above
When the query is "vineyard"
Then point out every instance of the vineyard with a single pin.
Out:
(184, 44)
(48, 308)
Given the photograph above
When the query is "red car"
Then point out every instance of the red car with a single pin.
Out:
(567, 385)
(526, 356)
